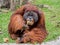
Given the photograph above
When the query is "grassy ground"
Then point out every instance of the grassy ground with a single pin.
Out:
(52, 20)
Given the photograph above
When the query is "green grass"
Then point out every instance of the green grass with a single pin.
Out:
(4, 20)
(51, 22)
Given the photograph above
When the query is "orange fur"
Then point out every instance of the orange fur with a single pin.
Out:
(37, 34)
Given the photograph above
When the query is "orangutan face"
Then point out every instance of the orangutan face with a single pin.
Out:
(30, 21)
(30, 17)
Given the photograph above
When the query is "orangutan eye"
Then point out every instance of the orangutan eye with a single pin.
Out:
(29, 18)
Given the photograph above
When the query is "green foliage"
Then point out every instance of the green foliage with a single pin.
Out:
(17, 6)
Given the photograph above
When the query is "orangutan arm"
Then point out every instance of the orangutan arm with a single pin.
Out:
(41, 22)
(36, 35)
(16, 23)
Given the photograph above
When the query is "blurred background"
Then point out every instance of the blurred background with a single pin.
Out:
(51, 9)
